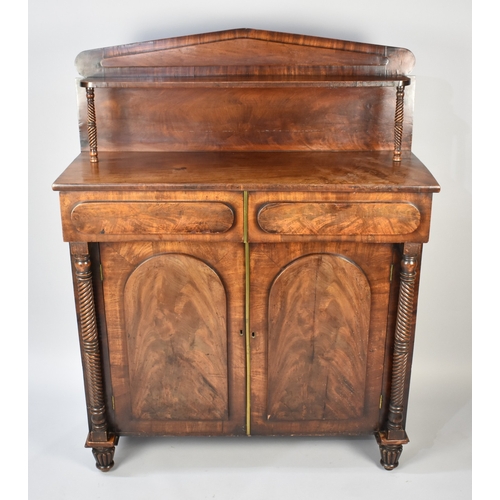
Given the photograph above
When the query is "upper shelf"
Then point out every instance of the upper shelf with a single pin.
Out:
(251, 81)
(276, 94)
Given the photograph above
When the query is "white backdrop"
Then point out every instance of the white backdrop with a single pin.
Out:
(438, 32)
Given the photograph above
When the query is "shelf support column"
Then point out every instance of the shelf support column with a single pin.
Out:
(91, 125)
(398, 122)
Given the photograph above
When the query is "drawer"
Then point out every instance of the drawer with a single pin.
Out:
(152, 217)
(362, 217)
(96, 217)
(342, 218)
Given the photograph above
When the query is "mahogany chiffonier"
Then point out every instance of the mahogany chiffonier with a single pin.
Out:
(245, 222)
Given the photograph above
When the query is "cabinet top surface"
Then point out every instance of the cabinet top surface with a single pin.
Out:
(372, 171)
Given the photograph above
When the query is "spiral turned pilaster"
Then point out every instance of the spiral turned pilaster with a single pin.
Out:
(398, 122)
(393, 437)
(99, 439)
(92, 125)
(402, 341)
(91, 355)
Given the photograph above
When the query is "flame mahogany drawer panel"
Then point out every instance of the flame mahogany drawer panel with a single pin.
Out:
(152, 215)
(372, 218)
(381, 217)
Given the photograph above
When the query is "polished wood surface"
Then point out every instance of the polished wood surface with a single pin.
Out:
(101, 439)
(348, 172)
(246, 221)
(350, 218)
(393, 436)
(132, 217)
(248, 119)
(152, 215)
(375, 217)
(176, 329)
(174, 316)
(319, 316)
(246, 90)
(245, 52)
(244, 81)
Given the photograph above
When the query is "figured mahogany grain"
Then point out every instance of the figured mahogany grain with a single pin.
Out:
(322, 216)
(311, 304)
(173, 316)
(319, 319)
(348, 218)
(176, 329)
(247, 119)
(148, 217)
(245, 52)
(348, 172)
(152, 215)
(257, 53)
(246, 207)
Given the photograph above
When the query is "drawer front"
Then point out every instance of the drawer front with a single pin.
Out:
(147, 217)
(342, 218)
(355, 217)
(94, 217)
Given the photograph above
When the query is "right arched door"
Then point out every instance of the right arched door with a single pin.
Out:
(319, 323)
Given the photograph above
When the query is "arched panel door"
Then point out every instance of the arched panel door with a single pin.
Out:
(176, 327)
(174, 315)
(319, 322)
(319, 319)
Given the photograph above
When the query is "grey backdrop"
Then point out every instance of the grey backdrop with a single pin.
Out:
(438, 458)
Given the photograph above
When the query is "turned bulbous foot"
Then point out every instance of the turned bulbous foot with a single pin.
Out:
(390, 448)
(104, 458)
(390, 456)
(103, 452)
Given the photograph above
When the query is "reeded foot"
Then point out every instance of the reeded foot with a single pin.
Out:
(104, 458)
(390, 448)
(390, 455)
(103, 452)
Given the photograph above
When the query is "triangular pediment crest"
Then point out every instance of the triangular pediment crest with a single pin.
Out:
(245, 52)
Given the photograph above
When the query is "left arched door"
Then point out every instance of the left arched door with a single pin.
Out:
(173, 317)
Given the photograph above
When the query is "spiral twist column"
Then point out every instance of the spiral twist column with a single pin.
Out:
(391, 440)
(398, 122)
(91, 125)
(101, 442)
(402, 340)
